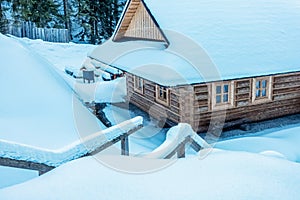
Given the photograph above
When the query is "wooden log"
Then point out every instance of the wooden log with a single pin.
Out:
(41, 168)
(110, 143)
(195, 145)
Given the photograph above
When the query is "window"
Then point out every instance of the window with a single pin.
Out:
(222, 94)
(139, 84)
(162, 95)
(261, 89)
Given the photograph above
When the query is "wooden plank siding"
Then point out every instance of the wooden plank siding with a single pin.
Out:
(147, 101)
(285, 100)
(193, 104)
(137, 23)
(142, 26)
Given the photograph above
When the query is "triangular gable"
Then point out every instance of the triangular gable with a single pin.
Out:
(137, 23)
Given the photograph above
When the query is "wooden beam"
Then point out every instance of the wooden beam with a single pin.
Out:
(22, 164)
(195, 145)
(118, 139)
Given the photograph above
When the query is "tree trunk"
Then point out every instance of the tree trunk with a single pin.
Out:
(3, 21)
(66, 13)
(67, 19)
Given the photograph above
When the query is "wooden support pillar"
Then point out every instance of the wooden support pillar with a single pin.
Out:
(181, 151)
(125, 145)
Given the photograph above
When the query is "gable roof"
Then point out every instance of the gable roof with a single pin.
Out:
(242, 38)
(137, 23)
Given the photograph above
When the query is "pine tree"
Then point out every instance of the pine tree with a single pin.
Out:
(109, 14)
(97, 19)
(3, 20)
(67, 10)
(81, 20)
(42, 13)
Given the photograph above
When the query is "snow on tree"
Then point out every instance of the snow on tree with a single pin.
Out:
(3, 18)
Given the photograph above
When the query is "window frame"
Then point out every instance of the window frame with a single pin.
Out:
(230, 93)
(136, 80)
(164, 101)
(268, 89)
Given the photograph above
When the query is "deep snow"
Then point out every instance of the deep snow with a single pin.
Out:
(284, 142)
(221, 175)
(257, 167)
(11, 176)
(37, 107)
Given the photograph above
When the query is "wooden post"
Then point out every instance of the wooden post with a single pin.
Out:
(23, 29)
(125, 146)
(181, 151)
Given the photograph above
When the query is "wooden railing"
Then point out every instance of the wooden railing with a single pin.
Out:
(178, 138)
(22, 164)
(166, 151)
(65, 155)
(180, 149)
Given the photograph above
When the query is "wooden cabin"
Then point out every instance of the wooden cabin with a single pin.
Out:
(208, 62)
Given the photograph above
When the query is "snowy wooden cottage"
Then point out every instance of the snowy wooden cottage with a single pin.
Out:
(253, 74)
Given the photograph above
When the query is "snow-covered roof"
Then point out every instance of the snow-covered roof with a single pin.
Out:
(242, 38)
(37, 107)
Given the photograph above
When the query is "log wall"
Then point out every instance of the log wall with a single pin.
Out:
(193, 104)
(147, 101)
(285, 100)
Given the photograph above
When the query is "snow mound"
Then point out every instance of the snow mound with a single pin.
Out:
(220, 176)
(175, 136)
(283, 143)
(111, 91)
(273, 154)
(37, 107)
(101, 92)
(61, 55)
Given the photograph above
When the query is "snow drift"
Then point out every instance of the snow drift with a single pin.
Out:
(37, 107)
(222, 175)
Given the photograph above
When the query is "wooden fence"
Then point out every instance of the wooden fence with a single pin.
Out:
(29, 30)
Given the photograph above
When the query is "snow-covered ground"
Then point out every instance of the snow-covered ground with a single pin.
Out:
(221, 175)
(11, 176)
(74, 56)
(263, 166)
(283, 143)
(61, 55)
(38, 109)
